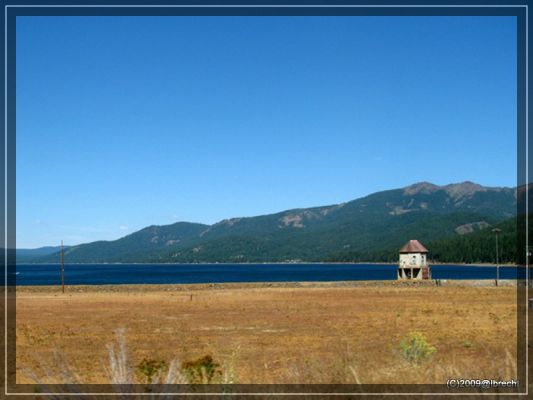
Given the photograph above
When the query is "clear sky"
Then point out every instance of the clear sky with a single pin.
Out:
(125, 122)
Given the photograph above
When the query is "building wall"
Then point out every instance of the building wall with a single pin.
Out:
(413, 259)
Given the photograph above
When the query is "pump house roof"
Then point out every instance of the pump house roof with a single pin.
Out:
(413, 246)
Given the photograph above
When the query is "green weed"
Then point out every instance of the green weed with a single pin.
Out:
(415, 348)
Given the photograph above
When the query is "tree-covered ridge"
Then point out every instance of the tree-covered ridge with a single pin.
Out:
(476, 247)
(371, 228)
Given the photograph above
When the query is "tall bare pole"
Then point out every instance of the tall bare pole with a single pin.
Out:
(62, 268)
(497, 232)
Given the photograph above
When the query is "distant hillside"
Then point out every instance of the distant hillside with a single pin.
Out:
(133, 247)
(367, 227)
(27, 255)
(479, 246)
(476, 246)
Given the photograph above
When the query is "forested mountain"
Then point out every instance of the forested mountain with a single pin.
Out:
(477, 246)
(364, 229)
(24, 255)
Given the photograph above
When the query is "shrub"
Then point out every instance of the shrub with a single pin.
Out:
(202, 370)
(415, 348)
(151, 368)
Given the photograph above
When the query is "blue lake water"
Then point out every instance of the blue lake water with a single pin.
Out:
(101, 274)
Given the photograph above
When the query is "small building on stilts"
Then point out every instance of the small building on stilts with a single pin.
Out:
(413, 261)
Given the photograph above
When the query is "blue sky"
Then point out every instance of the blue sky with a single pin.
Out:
(124, 122)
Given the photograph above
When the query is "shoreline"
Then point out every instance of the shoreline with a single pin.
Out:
(187, 287)
(275, 263)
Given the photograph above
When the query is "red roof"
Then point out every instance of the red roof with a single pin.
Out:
(413, 246)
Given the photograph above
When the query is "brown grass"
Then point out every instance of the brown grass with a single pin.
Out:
(322, 334)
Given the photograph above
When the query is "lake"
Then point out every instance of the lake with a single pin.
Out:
(102, 274)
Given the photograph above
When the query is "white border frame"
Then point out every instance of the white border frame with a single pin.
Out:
(262, 6)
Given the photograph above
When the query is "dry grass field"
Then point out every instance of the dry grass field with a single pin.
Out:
(307, 334)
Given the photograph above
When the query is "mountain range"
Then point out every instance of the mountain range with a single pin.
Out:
(27, 255)
(371, 228)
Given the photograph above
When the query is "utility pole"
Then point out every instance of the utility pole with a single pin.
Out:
(62, 268)
(497, 232)
(529, 253)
